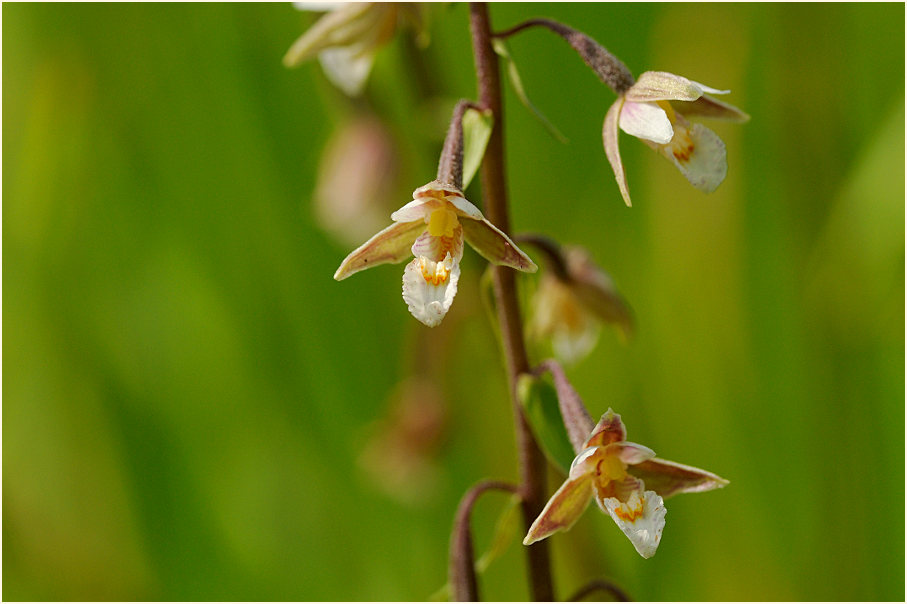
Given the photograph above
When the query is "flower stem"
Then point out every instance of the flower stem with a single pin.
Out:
(494, 195)
(609, 68)
(450, 168)
(462, 572)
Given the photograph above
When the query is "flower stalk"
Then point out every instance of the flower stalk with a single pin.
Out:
(464, 586)
(450, 167)
(606, 66)
(494, 194)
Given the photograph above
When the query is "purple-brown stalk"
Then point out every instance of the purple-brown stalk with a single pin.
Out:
(494, 195)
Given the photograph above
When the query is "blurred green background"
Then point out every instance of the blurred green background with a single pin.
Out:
(194, 409)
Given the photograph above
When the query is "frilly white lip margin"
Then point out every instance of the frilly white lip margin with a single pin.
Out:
(429, 288)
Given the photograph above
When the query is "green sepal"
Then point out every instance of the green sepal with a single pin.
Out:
(539, 399)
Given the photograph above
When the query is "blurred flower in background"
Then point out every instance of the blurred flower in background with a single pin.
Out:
(574, 297)
(400, 457)
(357, 180)
(346, 39)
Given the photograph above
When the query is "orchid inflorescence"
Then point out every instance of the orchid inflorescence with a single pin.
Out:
(573, 295)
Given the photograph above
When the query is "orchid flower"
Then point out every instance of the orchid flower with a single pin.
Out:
(654, 109)
(573, 299)
(433, 227)
(626, 480)
(347, 38)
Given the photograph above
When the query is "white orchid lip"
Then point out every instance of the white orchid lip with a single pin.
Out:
(429, 288)
(641, 518)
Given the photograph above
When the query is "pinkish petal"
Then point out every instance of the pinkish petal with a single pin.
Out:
(609, 429)
(563, 509)
(495, 246)
(699, 155)
(630, 453)
(610, 133)
(586, 462)
(436, 248)
(647, 121)
(389, 245)
(668, 478)
(706, 106)
(664, 86)
(641, 518)
(464, 207)
(417, 209)
(618, 489)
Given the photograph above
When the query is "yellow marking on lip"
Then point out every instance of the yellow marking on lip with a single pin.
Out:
(624, 512)
(682, 147)
(434, 275)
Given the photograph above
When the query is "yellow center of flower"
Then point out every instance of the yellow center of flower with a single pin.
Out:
(442, 223)
(667, 109)
(682, 145)
(434, 273)
(611, 468)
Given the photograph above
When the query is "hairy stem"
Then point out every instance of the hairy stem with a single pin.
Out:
(450, 168)
(609, 68)
(494, 195)
(461, 574)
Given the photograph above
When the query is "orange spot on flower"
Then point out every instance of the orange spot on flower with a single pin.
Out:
(682, 147)
(434, 273)
(631, 515)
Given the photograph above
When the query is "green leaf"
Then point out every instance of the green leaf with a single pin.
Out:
(517, 82)
(477, 127)
(505, 530)
(539, 399)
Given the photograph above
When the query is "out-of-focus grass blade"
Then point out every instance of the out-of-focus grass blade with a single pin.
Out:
(501, 49)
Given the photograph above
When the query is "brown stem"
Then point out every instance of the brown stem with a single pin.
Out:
(494, 194)
(450, 168)
(609, 68)
(461, 574)
(576, 418)
(600, 585)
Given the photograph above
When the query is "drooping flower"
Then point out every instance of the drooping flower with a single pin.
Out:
(432, 228)
(348, 36)
(574, 297)
(626, 480)
(654, 109)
